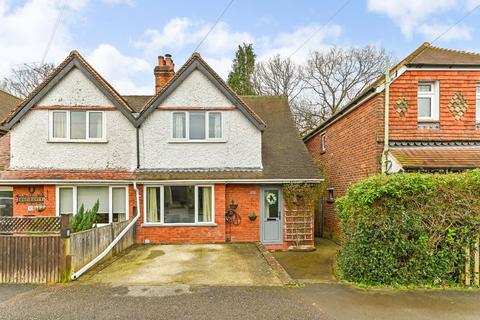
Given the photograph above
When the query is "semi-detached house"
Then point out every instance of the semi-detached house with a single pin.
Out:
(433, 124)
(180, 158)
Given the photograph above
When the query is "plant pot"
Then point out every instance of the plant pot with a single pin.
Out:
(252, 217)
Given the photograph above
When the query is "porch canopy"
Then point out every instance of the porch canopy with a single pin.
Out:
(437, 158)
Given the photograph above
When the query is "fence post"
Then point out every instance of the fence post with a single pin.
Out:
(467, 266)
(65, 258)
(476, 264)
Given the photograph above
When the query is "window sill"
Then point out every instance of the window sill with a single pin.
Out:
(204, 224)
(77, 141)
(199, 141)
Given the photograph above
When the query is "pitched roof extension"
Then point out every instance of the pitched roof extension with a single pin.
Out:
(424, 56)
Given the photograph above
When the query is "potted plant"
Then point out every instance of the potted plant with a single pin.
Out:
(252, 216)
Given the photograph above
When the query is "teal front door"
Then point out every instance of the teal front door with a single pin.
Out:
(271, 215)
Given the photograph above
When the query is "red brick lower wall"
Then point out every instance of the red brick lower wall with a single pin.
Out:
(22, 209)
(248, 199)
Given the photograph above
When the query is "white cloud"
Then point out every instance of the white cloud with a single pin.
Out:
(432, 31)
(26, 29)
(421, 16)
(181, 32)
(116, 2)
(121, 71)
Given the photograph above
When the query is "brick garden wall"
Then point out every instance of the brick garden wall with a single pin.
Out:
(353, 152)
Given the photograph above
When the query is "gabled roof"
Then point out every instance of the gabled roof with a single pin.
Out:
(73, 60)
(195, 62)
(424, 56)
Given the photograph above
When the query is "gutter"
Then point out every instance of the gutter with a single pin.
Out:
(123, 182)
(77, 274)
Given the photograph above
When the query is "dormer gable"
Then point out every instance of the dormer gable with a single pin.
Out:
(73, 82)
(203, 87)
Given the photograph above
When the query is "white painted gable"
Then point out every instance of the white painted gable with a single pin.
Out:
(75, 89)
(196, 91)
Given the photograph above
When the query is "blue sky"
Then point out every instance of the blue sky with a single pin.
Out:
(121, 38)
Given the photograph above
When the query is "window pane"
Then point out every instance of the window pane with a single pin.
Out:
(95, 124)
(271, 204)
(59, 124)
(153, 204)
(119, 207)
(179, 126)
(424, 107)
(78, 124)
(205, 210)
(424, 87)
(478, 110)
(6, 203)
(215, 125)
(179, 204)
(89, 195)
(66, 200)
(197, 125)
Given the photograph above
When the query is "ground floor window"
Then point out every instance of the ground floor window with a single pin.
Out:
(179, 204)
(6, 202)
(113, 201)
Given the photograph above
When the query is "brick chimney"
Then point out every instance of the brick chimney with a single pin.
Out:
(163, 72)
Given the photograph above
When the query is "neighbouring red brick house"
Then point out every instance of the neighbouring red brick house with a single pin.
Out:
(177, 160)
(433, 124)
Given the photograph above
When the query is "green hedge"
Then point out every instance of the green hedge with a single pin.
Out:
(409, 229)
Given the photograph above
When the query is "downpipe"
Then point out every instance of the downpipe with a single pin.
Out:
(77, 274)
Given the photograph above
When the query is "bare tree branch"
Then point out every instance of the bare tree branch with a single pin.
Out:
(25, 78)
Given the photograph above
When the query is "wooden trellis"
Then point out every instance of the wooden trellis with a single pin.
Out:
(16, 225)
(472, 259)
(298, 225)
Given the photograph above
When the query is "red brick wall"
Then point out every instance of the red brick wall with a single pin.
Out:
(248, 199)
(21, 209)
(406, 127)
(353, 152)
(185, 234)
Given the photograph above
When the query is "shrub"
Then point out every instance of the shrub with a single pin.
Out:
(84, 220)
(409, 229)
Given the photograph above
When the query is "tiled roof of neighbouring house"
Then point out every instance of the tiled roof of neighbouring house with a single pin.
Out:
(425, 55)
(437, 157)
(7, 103)
(137, 102)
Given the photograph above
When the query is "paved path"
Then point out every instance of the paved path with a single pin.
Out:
(314, 301)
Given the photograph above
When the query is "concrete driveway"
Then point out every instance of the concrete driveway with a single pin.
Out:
(191, 264)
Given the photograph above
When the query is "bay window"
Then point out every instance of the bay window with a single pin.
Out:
(73, 125)
(112, 200)
(179, 205)
(197, 125)
(428, 101)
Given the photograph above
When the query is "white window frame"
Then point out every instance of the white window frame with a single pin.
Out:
(323, 140)
(477, 106)
(434, 95)
(162, 207)
(51, 138)
(187, 127)
(75, 201)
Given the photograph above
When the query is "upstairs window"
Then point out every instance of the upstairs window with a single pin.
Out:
(478, 105)
(70, 125)
(197, 125)
(428, 102)
(323, 141)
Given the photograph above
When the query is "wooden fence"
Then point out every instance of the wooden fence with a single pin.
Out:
(31, 257)
(86, 245)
